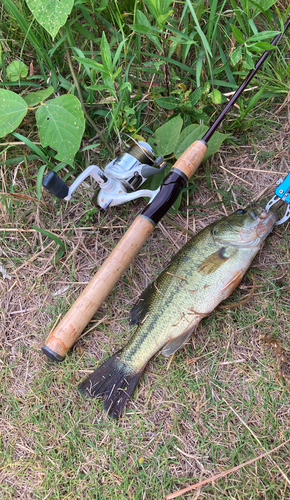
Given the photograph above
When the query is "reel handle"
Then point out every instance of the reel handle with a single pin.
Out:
(55, 185)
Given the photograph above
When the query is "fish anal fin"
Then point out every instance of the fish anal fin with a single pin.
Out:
(174, 344)
(139, 310)
(233, 282)
(213, 261)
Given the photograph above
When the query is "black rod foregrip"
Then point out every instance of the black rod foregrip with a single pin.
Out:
(170, 189)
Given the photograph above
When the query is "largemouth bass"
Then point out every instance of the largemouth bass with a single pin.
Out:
(202, 274)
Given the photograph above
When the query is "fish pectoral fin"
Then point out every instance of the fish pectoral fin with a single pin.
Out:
(214, 261)
(174, 344)
(139, 310)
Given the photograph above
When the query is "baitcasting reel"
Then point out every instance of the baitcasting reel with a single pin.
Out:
(120, 180)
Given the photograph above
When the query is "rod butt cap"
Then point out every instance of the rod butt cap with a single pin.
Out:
(51, 354)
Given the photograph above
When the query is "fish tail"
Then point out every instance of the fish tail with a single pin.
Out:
(114, 381)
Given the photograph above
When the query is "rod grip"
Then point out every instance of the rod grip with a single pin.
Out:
(66, 333)
(191, 158)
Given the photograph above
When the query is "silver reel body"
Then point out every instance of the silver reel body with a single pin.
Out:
(120, 180)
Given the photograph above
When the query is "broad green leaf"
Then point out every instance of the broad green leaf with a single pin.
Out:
(89, 63)
(141, 20)
(167, 102)
(215, 96)
(261, 47)
(195, 132)
(153, 7)
(142, 30)
(248, 60)
(166, 136)
(188, 136)
(106, 53)
(51, 14)
(102, 5)
(253, 26)
(238, 35)
(236, 55)
(61, 125)
(262, 36)
(12, 8)
(161, 20)
(215, 143)
(102, 86)
(16, 70)
(35, 98)
(257, 6)
(12, 111)
(195, 96)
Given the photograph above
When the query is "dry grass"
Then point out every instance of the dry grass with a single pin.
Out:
(219, 404)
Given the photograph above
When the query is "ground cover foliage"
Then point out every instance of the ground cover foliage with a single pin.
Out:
(134, 66)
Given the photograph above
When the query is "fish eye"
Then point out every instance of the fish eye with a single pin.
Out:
(240, 211)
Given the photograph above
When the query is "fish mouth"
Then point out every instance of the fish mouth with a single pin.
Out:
(266, 222)
(253, 236)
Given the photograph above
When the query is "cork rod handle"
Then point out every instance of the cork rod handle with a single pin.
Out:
(192, 157)
(66, 333)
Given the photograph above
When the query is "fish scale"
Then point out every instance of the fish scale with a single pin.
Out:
(202, 274)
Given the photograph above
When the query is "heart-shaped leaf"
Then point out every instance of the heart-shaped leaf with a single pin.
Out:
(61, 125)
(12, 111)
(51, 14)
(16, 70)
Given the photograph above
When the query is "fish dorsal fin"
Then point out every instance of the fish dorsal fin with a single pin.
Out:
(174, 344)
(139, 310)
(214, 261)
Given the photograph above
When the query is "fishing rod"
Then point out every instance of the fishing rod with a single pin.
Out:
(66, 333)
